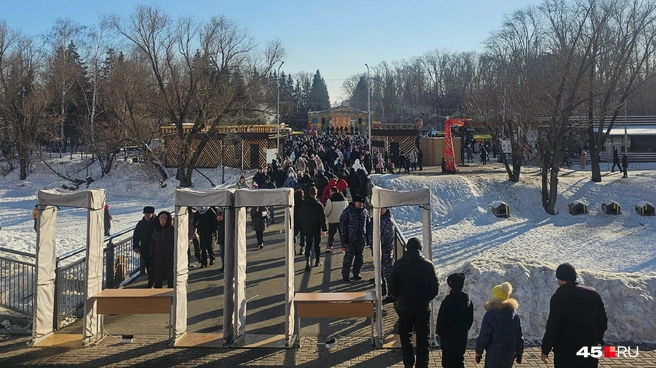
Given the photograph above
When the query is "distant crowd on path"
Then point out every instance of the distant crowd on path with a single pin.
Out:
(583, 157)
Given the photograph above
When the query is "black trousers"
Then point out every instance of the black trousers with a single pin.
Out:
(297, 231)
(420, 322)
(260, 237)
(158, 284)
(196, 249)
(313, 241)
(451, 360)
(332, 230)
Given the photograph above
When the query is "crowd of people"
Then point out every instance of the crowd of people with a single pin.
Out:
(331, 191)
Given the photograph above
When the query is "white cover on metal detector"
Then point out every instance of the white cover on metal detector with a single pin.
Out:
(211, 197)
(254, 198)
(48, 200)
(395, 198)
(185, 198)
(381, 198)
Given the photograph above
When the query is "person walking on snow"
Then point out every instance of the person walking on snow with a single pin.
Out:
(616, 160)
(108, 220)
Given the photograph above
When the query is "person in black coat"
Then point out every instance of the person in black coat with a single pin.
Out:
(259, 215)
(353, 181)
(162, 250)
(414, 283)
(108, 220)
(625, 164)
(141, 238)
(314, 226)
(298, 203)
(220, 236)
(616, 160)
(321, 181)
(454, 320)
(577, 318)
(206, 224)
(268, 184)
(259, 176)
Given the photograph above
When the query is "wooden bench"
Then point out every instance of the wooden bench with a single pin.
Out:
(334, 305)
(135, 301)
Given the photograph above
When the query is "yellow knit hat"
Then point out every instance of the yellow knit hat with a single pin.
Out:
(502, 292)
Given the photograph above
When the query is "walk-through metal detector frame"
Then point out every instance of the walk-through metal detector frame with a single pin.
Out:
(49, 202)
(185, 198)
(381, 198)
(254, 198)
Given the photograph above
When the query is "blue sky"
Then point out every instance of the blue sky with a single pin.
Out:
(337, 37)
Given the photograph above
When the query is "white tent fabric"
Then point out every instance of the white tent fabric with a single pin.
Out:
(381, 198)
(253, 198)
(185, 198)
(48, 201)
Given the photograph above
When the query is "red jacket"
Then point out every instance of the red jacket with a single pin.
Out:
(340, 184)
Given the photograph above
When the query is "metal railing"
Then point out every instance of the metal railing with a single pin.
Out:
(120, 262)
(18, 277)
(17, 281)
(399, 239)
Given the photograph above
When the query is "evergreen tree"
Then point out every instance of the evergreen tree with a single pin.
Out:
(359, 98)
(318, 99)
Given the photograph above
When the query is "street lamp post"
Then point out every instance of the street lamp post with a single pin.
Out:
(368, 112)
(278, 112)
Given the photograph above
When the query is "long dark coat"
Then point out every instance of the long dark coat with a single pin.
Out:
(259, 222)
(577, 318)
(454, 321)
(161, 250)
(206, 224)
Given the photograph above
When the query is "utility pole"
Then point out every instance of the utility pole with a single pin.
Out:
(369, 114)
(278, 112)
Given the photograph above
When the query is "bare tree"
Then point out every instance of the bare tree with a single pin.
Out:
(22, 100)
(622, 51)
(196, 69)
(503, 99)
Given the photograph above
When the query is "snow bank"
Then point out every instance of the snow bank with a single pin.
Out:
(629, 299)
(614, 254)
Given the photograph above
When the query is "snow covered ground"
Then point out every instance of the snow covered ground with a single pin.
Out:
(615, 254)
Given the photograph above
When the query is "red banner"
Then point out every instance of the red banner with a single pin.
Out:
(449, 155)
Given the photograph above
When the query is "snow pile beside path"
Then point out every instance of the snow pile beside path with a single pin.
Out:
(629, 299)
(614, 254)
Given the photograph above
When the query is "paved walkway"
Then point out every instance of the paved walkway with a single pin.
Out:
(265, 315)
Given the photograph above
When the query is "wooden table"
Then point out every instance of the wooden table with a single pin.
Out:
(334, 305)
(135, 301)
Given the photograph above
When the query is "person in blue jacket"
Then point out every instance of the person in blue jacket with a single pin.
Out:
(501, 331)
